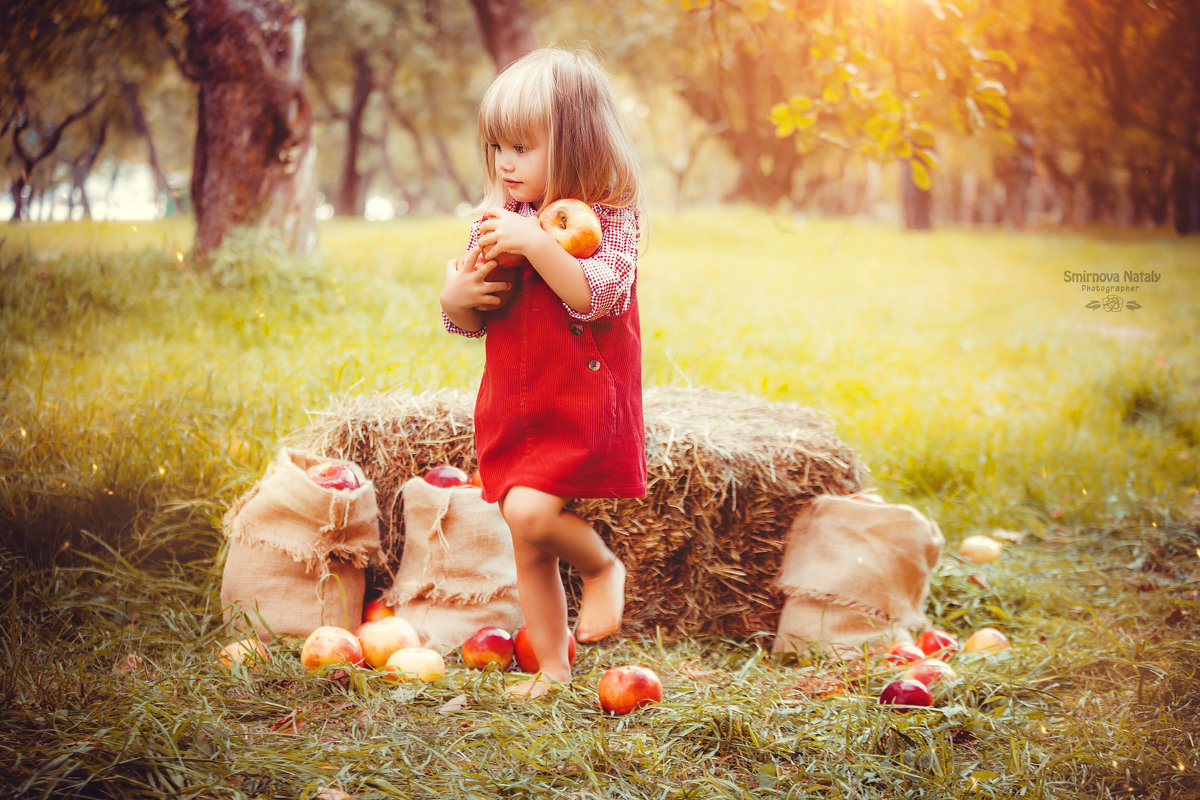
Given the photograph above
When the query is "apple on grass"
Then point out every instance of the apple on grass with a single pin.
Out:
(330, 475)
(903, 653)
(935, 642)
(523, 649)
(488, 645)
(906, 692)
(249, 652)
(981, 549)
(329, 645)
(986, 640)
(381, 638)
(628, 688)
(445, 476)
(415, 664)
(929, 671)
(376, 609)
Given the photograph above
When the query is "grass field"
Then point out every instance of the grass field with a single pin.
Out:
(966, 367)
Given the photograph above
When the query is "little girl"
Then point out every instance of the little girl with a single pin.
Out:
(559, 410)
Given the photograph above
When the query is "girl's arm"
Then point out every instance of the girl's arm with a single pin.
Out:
(464, 290)
(590, 288)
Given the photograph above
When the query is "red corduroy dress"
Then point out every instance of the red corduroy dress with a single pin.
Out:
(560, 403)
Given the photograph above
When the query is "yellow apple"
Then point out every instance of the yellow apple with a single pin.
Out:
(415, 664)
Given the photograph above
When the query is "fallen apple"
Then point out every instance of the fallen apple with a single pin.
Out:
(906, 692)
(929, 671)
(523, 649)
(625, 689)
(476, 480)
(573, 224)
(446, 476)
(249, 652)
(986, 640)
(488, 645)
(415, 664)
(904, 653)
(381, 638)
(980, 549)
(935, 642)
(334, 476)
(377, 609)
(328, 645)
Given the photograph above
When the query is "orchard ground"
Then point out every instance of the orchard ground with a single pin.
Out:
(978, 379)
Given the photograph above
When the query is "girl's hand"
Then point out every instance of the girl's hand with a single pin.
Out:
(466, 289)
(508, 232)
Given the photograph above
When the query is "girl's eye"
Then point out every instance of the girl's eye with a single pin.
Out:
(518, 148)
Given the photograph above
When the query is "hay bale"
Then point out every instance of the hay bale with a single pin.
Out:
(727, 475)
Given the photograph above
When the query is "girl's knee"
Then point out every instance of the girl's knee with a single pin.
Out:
(531, 519)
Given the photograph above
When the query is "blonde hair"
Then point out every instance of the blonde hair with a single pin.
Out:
(565, 97)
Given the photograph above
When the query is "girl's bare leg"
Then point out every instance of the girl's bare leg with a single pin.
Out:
(542, 535)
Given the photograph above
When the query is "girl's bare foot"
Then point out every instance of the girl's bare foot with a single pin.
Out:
(537, 686)
(602, 603)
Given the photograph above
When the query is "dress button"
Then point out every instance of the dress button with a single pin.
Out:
(593, 365)
(577, 328)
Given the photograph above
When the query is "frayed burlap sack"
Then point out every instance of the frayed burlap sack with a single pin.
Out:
(855, 570)
(457, 572)
(298, 552)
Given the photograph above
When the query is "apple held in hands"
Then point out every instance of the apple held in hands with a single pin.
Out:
(488, 645)
(383, 637)
(523, 650)
(626, 689)
(330, 475)
(573, 224)
(328, 645)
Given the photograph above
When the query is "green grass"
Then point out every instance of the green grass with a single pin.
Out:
(140, 399)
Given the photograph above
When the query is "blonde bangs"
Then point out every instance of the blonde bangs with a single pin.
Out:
(563, 101)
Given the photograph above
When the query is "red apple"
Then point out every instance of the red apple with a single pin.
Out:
(332, 476)
(376, 610)
(573, 224)
(330, 644)
(929, 671)
(986, 640)
(935, 642)
(250, 652)
(523, 649)
(904, 653)
(488, 645)
(504, 272)
(476, 481)
(383, 637)
(446, 476)
(906, 692)
(625, 689)
(415, 664)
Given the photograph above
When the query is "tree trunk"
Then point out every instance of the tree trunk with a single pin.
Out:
(130, 92)
(918, 202)
(507, 29)
(81, 169)
(255, 157)
(350, 196)
(31, 158)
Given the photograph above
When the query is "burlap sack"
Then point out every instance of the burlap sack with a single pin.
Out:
(297, 551)
(855, 570)
(457, 572)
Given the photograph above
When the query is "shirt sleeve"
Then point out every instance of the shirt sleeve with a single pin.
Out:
(446, 323)
(612, 269)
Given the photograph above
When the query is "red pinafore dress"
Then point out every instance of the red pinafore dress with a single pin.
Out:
(559, 407)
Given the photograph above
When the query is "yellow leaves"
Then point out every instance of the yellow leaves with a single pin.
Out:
(795, 115)
(920, 175)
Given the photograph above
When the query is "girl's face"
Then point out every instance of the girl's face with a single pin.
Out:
(523, 168)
